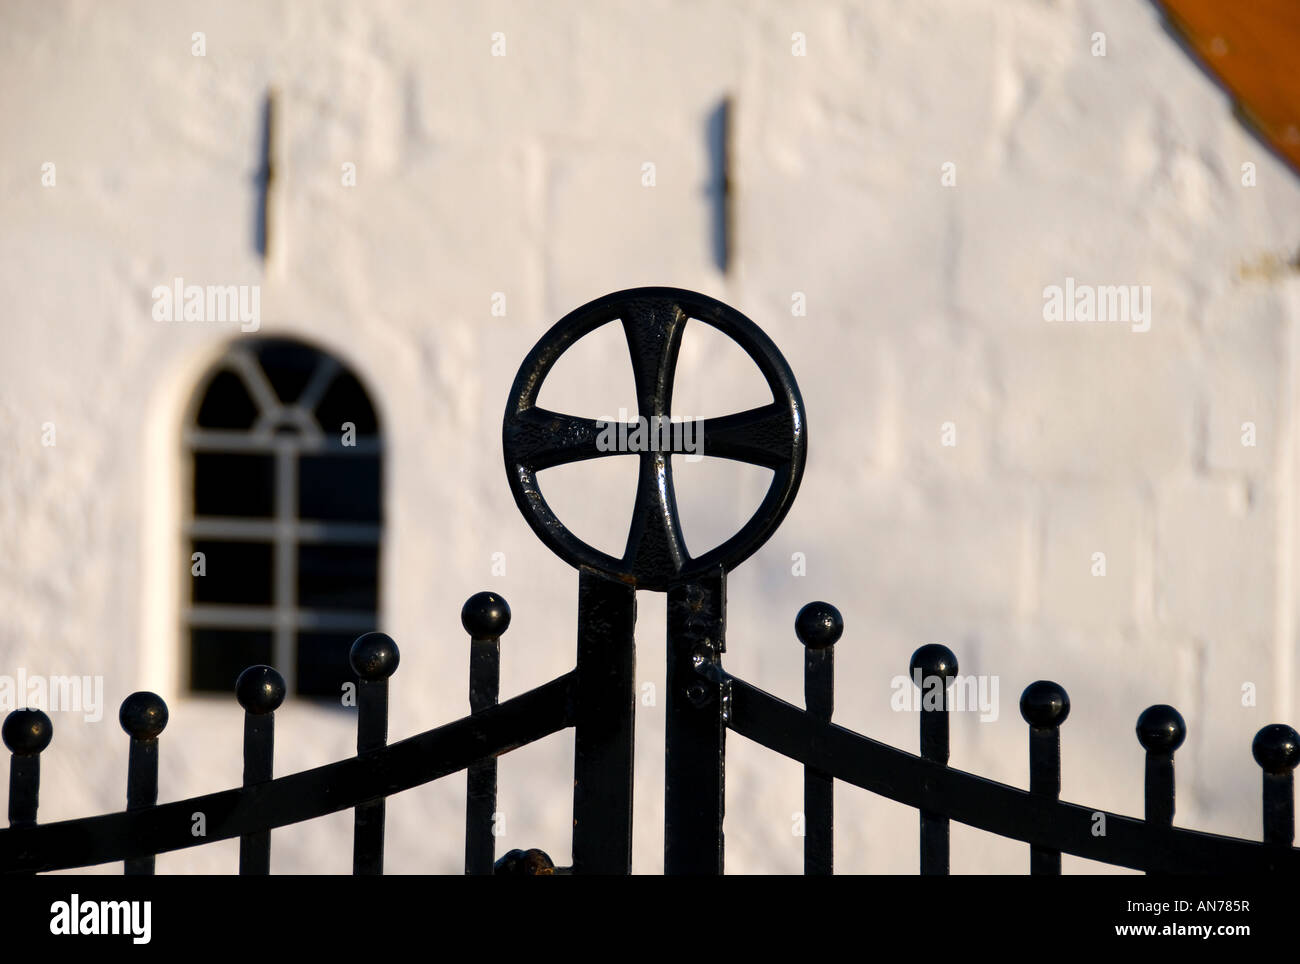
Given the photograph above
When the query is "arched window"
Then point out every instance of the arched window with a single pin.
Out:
(284, 526)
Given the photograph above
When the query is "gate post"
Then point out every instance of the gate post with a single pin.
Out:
(695, 743)
(604, 713)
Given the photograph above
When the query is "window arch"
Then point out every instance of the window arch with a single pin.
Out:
(284, 453)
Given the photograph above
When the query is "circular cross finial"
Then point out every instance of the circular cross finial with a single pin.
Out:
(819, 625)
(485, 615)
(1276, 748)
(374, 656)
(260, 690)
(143, 715)
(26, 732)
(1160, 729)
(933, 659)
(774, 436)
(1044, 703)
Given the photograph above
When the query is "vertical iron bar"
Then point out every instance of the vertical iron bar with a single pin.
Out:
(260, 691)
(928, 663)
(374, 658)
(1279, 808)
(1045, 780)
(1044, 705)
(605, 713)
(24, 788)
(694, 765)
(818, 786)
(143, 716)
(818, 627)
(485, 617)
(481, 778)
(1159, 787)
(368, 817)
(259, 740)
(26, 733)
(1277, 750)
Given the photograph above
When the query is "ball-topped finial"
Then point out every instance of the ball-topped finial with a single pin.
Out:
(485, 615)
(933, 659)
(374, 656)
(525, 863)
(260, 690)
(143, 715)
(1160, 729)
(1044, 703)
(1276, 748)
(819, 625)
(26, 732)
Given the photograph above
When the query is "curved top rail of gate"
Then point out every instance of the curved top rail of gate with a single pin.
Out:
(654, 319)
(909, 779)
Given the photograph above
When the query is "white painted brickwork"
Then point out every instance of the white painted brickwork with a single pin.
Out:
(522, 174)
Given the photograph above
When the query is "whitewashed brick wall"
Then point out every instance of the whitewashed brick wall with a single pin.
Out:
(522, 174)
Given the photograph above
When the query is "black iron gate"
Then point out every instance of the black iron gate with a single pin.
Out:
(597, 698)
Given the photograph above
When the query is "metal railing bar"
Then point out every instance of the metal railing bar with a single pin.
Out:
(221, 616)
(239, 441)
(339, 533)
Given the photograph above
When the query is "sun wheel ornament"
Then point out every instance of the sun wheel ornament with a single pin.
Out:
(774, 436)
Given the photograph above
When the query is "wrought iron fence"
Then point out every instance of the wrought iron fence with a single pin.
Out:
(597, 698)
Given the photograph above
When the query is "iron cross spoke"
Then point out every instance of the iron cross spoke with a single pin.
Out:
(653, 327)
(541, 439)
(765, 436)
(655, 542)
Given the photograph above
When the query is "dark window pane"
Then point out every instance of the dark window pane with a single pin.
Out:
(236, 572)
(346, 401)
(288, 366)
(238, 485)
(226, 403)
(323, 665)
(218, 656)
(338, 577)
(339, 488)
